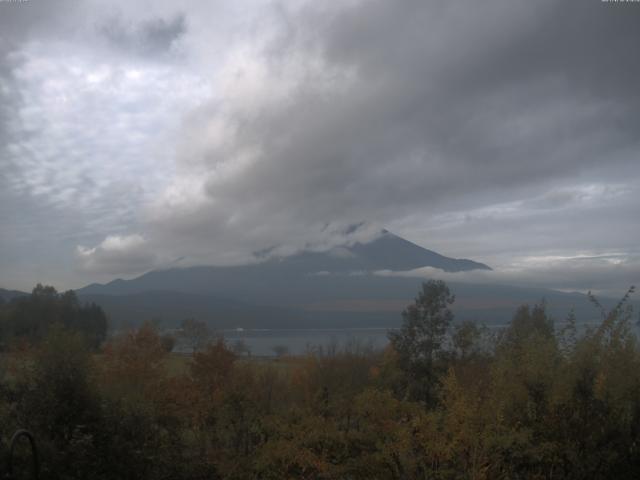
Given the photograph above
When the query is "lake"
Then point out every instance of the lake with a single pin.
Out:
(264, 342)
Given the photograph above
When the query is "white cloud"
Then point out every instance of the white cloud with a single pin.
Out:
(117, 255)
(609, 274)
(96, 139)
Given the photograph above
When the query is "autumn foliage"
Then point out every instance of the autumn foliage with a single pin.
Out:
(535, 400)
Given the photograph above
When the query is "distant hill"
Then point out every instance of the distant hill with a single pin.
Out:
(8, 295)
(341, 301)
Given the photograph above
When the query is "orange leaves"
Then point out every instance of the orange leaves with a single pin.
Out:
(212, 368)
(133, 365)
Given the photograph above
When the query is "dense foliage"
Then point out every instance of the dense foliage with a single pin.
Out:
(30, 317)
(443, 401)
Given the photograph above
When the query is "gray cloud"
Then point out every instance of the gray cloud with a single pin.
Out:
(83, 140)
(118, 255)
(380, 111)
(610, 274)
(149, 38)
(9, 98)
(495, 131)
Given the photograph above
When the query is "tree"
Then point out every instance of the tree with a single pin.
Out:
(467, 339)
(30, 317)
(420, 341)
(528, 323)
(195, 334)
(212, 367)
(168, 342)
(60, 403)
(133, 363)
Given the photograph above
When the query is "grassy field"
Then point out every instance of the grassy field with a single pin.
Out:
(176, 363)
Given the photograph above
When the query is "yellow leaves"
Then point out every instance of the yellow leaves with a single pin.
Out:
(376, 405)
(182, 398)
(527, 411)
(303, 446)
(132, 372)
(463, 424)
(288, 459)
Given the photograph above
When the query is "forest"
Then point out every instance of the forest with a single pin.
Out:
(538, 399)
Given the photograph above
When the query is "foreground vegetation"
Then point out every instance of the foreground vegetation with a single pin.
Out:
(443, 401)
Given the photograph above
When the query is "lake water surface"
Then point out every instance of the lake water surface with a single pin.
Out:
(266, 342)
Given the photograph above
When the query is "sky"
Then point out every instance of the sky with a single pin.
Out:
(151, 134)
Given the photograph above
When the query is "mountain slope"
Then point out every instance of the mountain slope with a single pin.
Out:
(386, 252)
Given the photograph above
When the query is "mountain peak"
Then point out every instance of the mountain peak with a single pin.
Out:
(391, 252)
(382, 251)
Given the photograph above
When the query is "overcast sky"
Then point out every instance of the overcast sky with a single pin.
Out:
(140, 135)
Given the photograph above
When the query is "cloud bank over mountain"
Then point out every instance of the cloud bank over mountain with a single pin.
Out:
(505, 132)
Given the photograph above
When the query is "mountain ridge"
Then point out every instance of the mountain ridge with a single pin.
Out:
(338, 287)
(386, 252)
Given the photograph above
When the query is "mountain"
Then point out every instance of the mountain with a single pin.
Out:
(172, 307)
(8, 295)
(390, 252)
(386, 252)
(309, 288)
(336, 288)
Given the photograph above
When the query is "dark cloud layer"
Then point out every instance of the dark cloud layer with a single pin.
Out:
(496, 130)
(394, 108)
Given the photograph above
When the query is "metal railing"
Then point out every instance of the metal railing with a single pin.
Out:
(35, 465)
